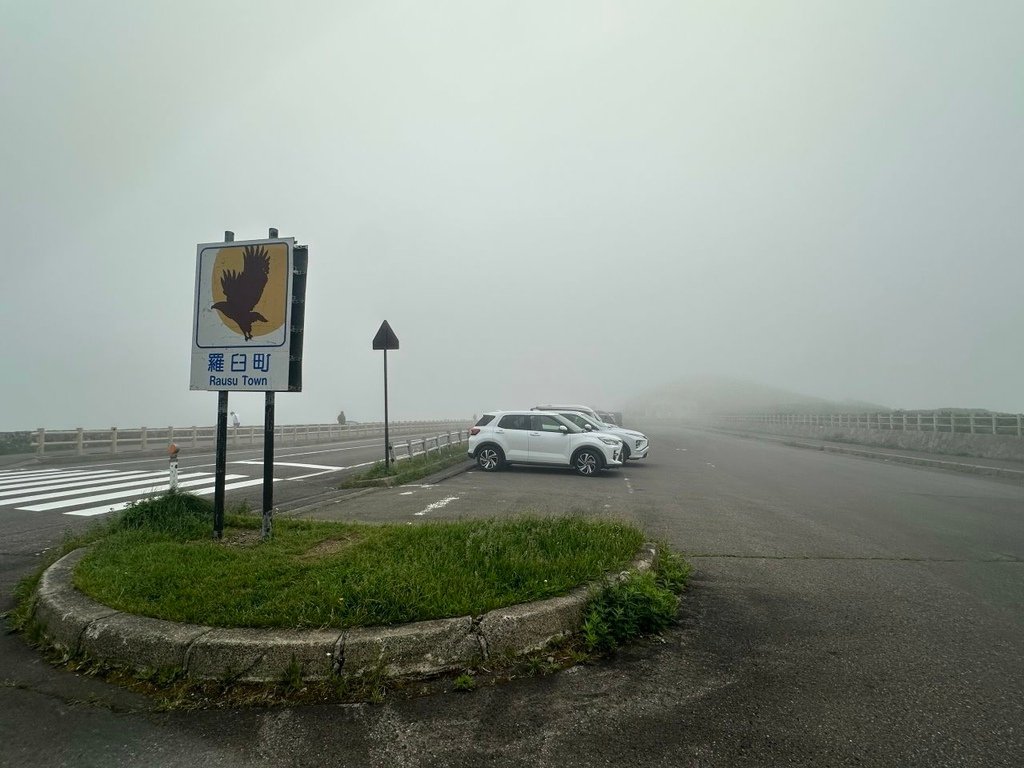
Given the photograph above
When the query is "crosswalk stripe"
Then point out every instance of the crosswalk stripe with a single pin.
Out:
(117, 495)
(124, 504)
(6, 473)
(57, 483)
(151, 481)
(36, 479)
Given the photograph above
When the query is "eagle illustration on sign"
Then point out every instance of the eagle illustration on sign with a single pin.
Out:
(243, 294)
(243, 290)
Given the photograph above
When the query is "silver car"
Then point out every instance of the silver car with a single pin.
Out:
(635, 445)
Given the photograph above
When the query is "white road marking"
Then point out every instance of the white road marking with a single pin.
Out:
(14, 472)
(407, 493)
(56, 486)
(329, 471)
(437, 505)
(43, 480)
(710, 464)
(331, 468)
(119, 495)
(126, 483)
(629, 485)
(102, 510)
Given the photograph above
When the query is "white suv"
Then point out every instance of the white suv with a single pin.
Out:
(635, 445)
(530, 437)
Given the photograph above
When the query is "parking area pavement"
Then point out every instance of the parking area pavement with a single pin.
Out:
(478, 494)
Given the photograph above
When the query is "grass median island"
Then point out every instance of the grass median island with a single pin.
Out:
(157, 558)
(321, 574)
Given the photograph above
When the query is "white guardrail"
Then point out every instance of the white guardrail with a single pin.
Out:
(117, 440)
(1004, 424)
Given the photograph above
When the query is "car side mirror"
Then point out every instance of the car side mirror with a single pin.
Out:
(588, 427)
(563, 429)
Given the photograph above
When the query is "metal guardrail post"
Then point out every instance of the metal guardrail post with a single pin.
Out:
(41, 441)
(143, 439)
(113, 440)
(79, 441)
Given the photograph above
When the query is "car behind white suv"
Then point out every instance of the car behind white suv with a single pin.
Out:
(635, 445)
(531, 437)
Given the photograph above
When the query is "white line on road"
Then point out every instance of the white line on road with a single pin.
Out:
(437, 505)
(52, 485)
(124, 504)
(329, 471)
(287, 464)
(10, 472)
(43, 480)
(119, 495)
(128, 483)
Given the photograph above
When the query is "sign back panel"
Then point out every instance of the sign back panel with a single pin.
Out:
(242, 320)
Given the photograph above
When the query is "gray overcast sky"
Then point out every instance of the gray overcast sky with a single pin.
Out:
(546, 200)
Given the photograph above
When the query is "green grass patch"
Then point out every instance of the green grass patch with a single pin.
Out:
(407, 470)
(322, 574)
(642, 604)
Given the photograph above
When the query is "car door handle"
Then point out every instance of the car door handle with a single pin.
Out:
(535, 434)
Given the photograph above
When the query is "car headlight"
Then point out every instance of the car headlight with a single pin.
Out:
(611, 441)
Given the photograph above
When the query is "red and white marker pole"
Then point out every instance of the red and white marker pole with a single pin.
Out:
(172, 453)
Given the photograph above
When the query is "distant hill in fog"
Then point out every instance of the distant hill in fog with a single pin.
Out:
(701, 396)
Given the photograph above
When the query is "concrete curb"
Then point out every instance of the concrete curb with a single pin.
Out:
(954, 466)
(77, 625)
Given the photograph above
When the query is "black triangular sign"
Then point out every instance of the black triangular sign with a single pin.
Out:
(385, 338)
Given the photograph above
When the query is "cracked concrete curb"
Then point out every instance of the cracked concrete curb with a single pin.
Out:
(77, 625)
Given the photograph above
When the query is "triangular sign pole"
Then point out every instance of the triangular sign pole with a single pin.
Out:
(385, 340)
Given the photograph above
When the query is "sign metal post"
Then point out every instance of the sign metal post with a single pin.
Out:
(247, 337)
(385, 340)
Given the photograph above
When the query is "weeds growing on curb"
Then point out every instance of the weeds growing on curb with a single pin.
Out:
(464, 682)
(642, 603)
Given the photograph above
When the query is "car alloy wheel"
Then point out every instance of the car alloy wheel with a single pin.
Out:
(587, 463)
(625, 453)
(488, 459)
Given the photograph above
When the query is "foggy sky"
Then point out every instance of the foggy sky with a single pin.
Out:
(546, 200)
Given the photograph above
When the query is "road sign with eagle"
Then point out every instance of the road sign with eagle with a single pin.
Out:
(241, 330)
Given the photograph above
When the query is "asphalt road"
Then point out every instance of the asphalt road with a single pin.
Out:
(843, 611)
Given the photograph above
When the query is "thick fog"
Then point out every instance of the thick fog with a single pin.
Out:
(547, 200)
